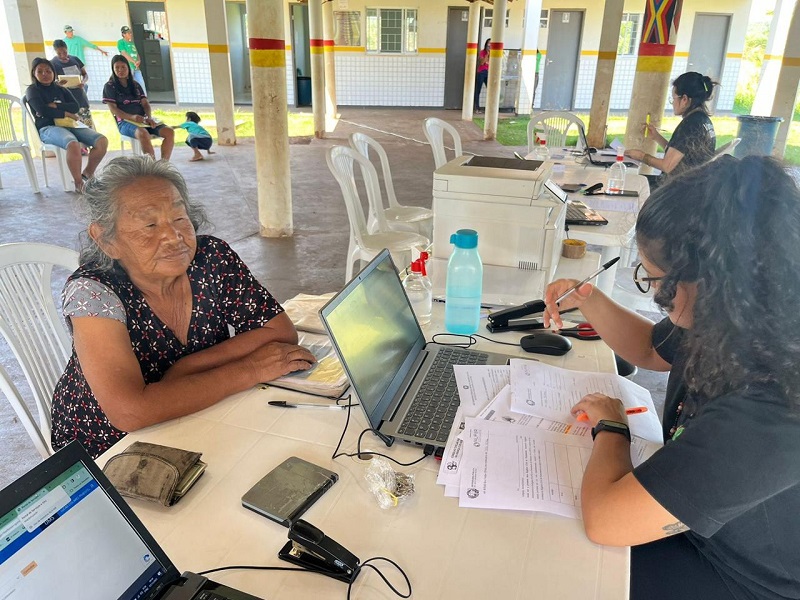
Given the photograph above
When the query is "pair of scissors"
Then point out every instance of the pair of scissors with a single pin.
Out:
(582, 331)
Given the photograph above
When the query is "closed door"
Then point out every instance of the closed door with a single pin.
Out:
(561, 59)
(456, 57)
(708, 45)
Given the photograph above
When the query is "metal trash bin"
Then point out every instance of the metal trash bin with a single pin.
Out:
(757, 135)
(304, 91)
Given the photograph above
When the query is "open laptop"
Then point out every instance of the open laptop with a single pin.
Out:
(578, 213)
(405, 386)
(66, 533)
(602, 159)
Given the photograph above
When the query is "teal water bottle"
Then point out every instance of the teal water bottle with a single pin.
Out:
(462, 308)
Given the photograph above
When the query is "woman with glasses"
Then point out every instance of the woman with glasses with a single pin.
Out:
(693, 141)
(712, 514)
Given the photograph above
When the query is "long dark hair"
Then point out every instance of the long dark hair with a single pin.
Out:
(41, 61)
(130, 88)
(733, 228)
(697, 87)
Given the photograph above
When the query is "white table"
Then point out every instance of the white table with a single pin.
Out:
(447, 552)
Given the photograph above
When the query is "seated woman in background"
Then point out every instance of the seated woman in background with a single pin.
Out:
(149, 310)
(127, 102)
(712, 514)
(50, 101)
(693, 141)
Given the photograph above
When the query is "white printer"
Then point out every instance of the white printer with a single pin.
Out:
(518, 226)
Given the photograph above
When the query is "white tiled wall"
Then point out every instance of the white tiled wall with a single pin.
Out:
(379, 80)
(99, 69)
(290, 81)
(192, 76)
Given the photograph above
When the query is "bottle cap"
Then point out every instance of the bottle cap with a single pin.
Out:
(465, 238)
(416, 266)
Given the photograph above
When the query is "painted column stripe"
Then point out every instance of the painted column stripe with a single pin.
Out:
(495, 49)
(791, 61)
(328, 42)
(607, 55)
(657, 50)
(266, 52)
(316, 46)
(33, 47)
(218, 48)
(654, 64)
(472, 45)
(266, 44)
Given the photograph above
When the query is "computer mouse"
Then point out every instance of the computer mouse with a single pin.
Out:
(546, 342)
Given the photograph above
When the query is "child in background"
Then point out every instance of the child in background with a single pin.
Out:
(199, 138)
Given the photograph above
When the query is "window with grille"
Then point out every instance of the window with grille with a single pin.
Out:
(157, 21)
(629, 34)
(391, 30)
(488, 13)
(347, 28)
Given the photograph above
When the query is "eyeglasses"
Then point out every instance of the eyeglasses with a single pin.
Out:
(642, 279)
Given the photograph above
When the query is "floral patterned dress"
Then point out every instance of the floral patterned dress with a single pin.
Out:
(224, 293)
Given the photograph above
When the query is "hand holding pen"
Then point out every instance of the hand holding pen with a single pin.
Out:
(564, 294)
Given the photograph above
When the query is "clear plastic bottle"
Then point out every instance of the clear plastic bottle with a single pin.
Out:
(616, 176)
(419, 291)
(462, 309)
(541, 152)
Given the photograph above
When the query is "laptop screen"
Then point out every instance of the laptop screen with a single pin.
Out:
(376, 334)
(69, 540)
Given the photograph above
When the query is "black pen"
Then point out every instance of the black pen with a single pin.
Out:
(284, 404)
(610, 263)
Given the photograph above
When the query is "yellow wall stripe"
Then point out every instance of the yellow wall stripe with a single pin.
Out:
(218, 48)
(773, 56)
(589, 52)
(733, 55)
(268, 58)
(431, 50)
(682, 54)
(351, 49)
(189, 45)
(33, 48)
(654, 64)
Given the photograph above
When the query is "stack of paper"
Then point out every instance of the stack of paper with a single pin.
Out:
(514, 443)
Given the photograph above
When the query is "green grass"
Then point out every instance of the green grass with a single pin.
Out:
(514, 131)
(300, 125)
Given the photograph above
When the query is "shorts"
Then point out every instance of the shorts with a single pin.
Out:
(64, 136)
(129, 129)
(199, 143)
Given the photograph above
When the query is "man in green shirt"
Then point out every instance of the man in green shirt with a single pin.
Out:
(127, 48)
(76, 44)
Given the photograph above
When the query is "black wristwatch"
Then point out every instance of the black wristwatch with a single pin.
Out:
(613, 426)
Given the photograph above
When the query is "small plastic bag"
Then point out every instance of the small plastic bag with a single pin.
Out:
(389, 486)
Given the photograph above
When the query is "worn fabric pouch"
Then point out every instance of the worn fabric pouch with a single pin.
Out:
(153, 472)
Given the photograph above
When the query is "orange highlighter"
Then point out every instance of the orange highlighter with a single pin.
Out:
(628, 411)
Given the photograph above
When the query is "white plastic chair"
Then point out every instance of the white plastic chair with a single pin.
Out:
(136, 146)
(61, 158)
(398, 217)
(726, 148)
(32, 327)
(363, 244)
(555, 125)
(434, 133)
(14, 142)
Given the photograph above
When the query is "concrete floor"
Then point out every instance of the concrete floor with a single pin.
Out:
(311, 261)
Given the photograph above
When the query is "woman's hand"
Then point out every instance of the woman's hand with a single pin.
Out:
(71, 115)
(636, 154)
(599, 406)
(651, 130)
(276, 359)
(574, 300)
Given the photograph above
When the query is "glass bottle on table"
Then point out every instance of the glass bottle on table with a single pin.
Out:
(541, 151)
(419, 291)
(462, 308)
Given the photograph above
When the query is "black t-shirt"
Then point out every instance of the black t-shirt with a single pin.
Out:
(126, 101)
(695, 138)
(40, 96)
(731, 473)
(72, 61)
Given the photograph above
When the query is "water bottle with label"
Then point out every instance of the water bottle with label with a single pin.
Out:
(616, 175)
(462, 309)
(419, 291)
(541, 152)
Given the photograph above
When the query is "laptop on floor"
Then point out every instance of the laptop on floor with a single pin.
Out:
(578, 213)
(66, 533)
(405, 386)
(600, 159)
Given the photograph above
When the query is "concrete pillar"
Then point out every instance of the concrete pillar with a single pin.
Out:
(221, 80)
(27, 41)
(773, 57)
(788, 80)
(471, 64)
(495, 69)
(651, 82)
(604, 76)
(317, 66)
(268, 75)
(331, 110)
(530, 44)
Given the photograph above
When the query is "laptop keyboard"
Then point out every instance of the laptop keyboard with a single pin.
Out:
(434, 408)
(575, 213)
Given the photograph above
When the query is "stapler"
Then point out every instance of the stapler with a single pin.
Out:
(310, 548)
(501, 320)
